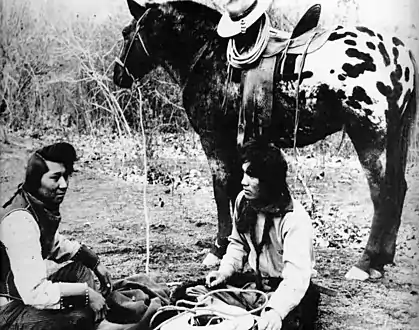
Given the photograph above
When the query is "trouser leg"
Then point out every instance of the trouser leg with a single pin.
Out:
(18, 316)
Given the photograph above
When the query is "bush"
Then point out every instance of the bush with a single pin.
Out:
(57, 65)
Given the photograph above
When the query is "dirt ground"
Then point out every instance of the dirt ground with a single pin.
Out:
(106, 212)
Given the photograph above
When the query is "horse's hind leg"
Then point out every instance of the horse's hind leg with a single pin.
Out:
(371, 161)
(388, 189)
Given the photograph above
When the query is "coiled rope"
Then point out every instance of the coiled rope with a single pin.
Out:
(200, 306)
(241, 60)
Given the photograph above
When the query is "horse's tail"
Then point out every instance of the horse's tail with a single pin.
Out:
(409, 120)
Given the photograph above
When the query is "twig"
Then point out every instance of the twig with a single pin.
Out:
(307, 190)
(147, 221)
(168, 101)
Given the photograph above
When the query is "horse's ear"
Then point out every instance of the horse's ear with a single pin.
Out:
(135, 9)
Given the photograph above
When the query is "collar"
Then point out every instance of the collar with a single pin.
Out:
(272, 208)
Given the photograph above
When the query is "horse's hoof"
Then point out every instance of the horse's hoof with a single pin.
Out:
(357, 274)
(375, 274)
(211, 260)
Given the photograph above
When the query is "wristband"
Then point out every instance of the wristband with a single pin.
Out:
(87, 257)
(75, 301)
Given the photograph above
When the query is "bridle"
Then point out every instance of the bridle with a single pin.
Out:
(137, 35)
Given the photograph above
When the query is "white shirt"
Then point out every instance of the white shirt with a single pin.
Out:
(289, 254)
(21, 236)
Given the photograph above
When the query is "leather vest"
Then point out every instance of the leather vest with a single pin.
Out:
(47, 228)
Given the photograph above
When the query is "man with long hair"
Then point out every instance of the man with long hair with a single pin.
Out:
(273, 233)
(29, 298)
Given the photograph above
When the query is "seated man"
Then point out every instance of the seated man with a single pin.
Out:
(271, 231)
(29, 221)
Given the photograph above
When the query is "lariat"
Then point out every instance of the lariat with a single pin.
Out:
(243, 59)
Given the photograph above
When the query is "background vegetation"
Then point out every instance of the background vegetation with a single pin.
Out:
(56, 62)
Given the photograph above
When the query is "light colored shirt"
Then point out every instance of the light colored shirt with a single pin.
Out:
(289, 254)
(21, 236)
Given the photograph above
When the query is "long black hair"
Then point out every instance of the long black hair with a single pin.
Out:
(61, 152)
(268, 164)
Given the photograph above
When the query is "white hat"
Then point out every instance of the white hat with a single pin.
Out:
(240, 15)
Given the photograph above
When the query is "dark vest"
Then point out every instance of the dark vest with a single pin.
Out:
(47, 226)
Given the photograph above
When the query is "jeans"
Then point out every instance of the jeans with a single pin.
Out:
(18, 316)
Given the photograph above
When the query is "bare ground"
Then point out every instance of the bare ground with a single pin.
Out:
(106, 213)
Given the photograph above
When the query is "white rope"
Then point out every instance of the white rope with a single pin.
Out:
(239, 60)
(198, 306)
(238, 290)
(147, 220)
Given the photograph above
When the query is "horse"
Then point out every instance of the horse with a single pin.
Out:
(359, 80)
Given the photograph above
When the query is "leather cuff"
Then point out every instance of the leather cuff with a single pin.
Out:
(86, 257)
(75, 301)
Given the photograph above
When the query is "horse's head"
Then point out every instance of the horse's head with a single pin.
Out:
(134, 61)
(169, 34)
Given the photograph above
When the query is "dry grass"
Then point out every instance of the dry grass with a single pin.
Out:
(56, 65)
(56, 62)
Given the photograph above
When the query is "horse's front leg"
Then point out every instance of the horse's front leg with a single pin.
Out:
(223, 161)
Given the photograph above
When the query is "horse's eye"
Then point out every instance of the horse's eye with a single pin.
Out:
(125, 32)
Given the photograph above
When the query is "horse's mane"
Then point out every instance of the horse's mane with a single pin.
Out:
(196, 15)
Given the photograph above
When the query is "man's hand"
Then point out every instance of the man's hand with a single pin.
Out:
(270, 320)
(104, 278)
(97, 304)
(215, 278)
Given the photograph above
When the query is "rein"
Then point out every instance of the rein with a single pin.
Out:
(136, 36)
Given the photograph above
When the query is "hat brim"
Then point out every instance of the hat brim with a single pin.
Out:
(228, 28)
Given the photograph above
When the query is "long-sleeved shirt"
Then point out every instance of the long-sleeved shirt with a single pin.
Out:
(20, 235)
(289, 254)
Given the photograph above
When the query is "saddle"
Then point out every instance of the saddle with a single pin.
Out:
(257, 82)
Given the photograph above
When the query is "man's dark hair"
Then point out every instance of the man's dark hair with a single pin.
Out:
(268, 164)
(61, 152)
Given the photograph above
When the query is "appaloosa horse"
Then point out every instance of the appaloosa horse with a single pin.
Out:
(360, 79)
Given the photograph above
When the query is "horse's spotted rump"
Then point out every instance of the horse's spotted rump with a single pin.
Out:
(371, 64)
(365, 30)
(380, 36)
(367, 63)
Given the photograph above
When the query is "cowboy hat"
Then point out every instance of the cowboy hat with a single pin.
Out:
(239, 15)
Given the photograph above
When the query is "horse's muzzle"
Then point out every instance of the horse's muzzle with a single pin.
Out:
(120, 76)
